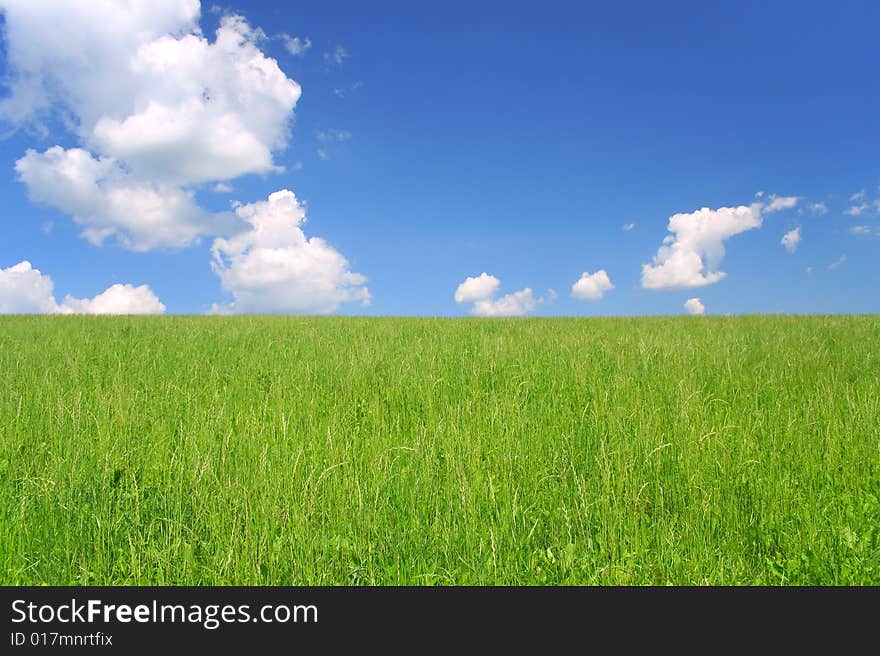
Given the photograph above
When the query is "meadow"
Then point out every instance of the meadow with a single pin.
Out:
(339, 450)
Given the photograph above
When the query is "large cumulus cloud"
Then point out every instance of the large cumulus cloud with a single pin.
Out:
(156, 106)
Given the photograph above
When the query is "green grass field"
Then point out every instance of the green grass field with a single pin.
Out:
(217, 450)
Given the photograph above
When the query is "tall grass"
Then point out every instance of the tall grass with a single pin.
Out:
(268, 450)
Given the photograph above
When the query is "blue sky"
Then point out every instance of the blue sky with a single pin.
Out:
(431, 144)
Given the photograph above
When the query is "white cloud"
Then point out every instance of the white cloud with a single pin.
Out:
(160, 112)
(337, 56)
(809, 269)
(161, 107)
(208, 111)
(77, 53)
(856, 210)
(296, 45)
(25, 290)
(819, 208)
(591, 286)
(480, 291)
(791, 239)
(863, 230)
(117, 299)
(839, 262)
(695, 306)
(477, 288)
(778, 203)
(516, 304)
(691, 255)
(859, 195)
(148, 89)
(274, 268)
(323, 154)
(108, 202)
(628, 226)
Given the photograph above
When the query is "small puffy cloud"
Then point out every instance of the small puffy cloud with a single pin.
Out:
(791, 239)
(477, 288)
(778, 203)
(839, 262)
(628, 226)
(117, 299)
(695, 306)
(691, 255)
(25, 290)
(819, 208)
(591, 286)
(859, 195)
(516, 304)
(323, 154)
(480, 290)
(273, 268)
(857, 210)
(295, 45)
(222, 188)
(338, 55)
(809, 269)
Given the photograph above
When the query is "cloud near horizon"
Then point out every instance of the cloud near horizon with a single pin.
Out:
(695, 307)
(273, 268)
(480, 291)
(26, 290)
